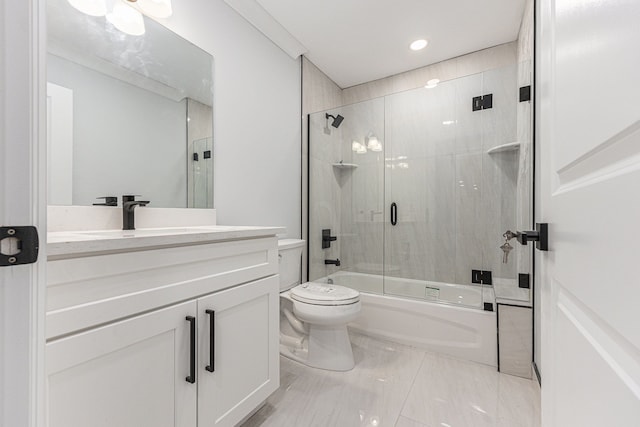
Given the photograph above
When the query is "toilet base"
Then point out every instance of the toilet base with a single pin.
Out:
(330, 348)
(326, 347)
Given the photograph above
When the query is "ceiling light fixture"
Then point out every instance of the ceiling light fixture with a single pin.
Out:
(418, 44)
(90, 7)
(156, 8)
(432, 83)
(126, 19)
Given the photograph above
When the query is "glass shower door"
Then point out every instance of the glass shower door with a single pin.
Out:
(433, 191)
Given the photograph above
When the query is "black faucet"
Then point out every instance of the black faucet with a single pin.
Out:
(129, 203)
(335, 262)
(108, 201)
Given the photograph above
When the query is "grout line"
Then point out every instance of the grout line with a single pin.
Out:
(415, 376)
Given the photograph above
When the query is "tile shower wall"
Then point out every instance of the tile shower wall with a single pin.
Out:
(319, 93)
(453, 198)
(362, 196)
(325, 207)
(444, 229)
(465, 65)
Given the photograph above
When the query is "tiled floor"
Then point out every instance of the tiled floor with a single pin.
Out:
(396, 385)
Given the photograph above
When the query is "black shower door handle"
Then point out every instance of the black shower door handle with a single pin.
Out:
(394, 213)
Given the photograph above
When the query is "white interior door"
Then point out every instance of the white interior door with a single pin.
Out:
(22, 203)
(589, 193)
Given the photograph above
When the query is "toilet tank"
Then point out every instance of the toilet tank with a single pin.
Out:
(290, 260)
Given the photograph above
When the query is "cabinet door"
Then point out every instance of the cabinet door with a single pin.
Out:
(246, 351)
(127, 374)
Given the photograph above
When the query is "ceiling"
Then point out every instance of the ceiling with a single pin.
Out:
(357, 41)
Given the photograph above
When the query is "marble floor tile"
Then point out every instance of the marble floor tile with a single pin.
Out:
(450, 392)
(407, 422)
(396, 385)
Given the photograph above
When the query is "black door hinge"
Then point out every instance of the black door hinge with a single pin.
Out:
(482, 102)
(18, 245)
(525, 93)
(481, 277)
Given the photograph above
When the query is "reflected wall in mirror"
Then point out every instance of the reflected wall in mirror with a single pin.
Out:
(127, 114)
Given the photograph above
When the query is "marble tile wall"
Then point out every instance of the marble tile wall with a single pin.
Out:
(499, 171)
(325, 203)
(515, 343)
(525, 136)
(454, 199)
(363, 193)
(445, 229)
(465, 65)
(319, 93)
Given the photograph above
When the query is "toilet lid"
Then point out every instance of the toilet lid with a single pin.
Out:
(323, 294)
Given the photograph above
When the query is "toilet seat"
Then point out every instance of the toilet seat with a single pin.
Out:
(324, 294)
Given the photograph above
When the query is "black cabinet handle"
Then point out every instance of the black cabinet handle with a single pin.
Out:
(394, 213)
(192, 350)
(212, 339)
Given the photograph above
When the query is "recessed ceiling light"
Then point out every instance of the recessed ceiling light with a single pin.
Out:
(418, 44)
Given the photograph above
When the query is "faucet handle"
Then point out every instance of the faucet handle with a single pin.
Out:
(108, 201)
(130, 197)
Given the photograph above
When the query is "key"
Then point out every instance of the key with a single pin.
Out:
(506, 248)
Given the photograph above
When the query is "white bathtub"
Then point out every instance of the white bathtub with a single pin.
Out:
(449, 328)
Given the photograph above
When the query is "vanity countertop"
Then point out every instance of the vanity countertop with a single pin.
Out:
(66, 244)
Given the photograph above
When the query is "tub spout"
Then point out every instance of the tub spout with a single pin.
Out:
(335, 262)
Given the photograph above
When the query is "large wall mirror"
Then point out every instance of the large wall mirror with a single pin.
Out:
(127, 114)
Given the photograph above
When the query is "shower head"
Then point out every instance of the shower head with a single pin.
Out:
(337, 120)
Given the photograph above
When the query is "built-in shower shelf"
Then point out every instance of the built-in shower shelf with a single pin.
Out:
(511, 146)
(340, 165)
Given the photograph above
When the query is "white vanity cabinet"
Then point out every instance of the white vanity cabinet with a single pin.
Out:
(129, 373)
(245, 361)
(119, 326)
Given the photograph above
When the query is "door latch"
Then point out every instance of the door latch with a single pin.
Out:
(540, 235)
(18, 245)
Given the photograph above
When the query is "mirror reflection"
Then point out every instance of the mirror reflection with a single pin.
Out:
(129, 110)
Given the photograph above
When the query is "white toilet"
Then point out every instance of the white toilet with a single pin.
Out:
(313, 315)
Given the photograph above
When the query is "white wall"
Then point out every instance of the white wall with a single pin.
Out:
(256, 116)
(114, 153)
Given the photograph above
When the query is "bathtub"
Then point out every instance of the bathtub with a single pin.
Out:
(455, 325)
